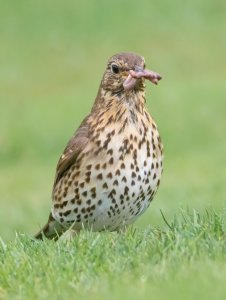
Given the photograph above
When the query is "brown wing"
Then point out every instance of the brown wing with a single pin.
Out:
(74, 147)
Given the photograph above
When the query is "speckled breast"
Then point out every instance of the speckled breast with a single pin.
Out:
(114, 180)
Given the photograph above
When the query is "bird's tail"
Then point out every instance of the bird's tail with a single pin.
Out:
(52, 230)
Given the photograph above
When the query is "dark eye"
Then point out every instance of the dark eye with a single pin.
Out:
(115, 69)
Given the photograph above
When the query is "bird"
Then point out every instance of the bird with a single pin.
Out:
(111, 168)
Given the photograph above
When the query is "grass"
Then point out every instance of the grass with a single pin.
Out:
(190, 253)
(52, 56)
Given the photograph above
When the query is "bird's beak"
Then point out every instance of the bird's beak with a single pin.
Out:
(139, 72)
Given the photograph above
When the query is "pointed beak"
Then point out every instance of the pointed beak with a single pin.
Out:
(139, 72)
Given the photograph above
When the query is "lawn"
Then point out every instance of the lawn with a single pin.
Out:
(52, 56)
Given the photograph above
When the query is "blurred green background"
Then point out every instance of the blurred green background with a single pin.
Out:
(52, 57)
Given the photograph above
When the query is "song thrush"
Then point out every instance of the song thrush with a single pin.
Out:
(111, 167)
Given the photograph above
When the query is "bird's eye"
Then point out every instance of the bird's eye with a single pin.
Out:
(115, 68)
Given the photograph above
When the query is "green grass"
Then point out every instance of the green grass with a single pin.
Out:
(52, 56)
(176, 263)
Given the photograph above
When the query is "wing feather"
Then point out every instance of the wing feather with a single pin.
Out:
(74, 147)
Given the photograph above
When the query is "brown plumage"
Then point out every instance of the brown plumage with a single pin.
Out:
(111, 167)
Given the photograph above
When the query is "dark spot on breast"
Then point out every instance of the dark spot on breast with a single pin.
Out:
(109, 175)
(126, 190)
(97, 167)
(93, 195)
(133, 174)
(106, 142)
(76, 190)
(88, 173)
(123, 166)
(66, 213)
(128, 151)
(100, 176)
(111, 161)
(87, 180)
(59, 198)
(82, 184)
(98, 142)
(105, 186)
(84, 193)
(110, 151)
(115, 182)
(112, 193)
(117, 172)
(77, 174)
(135, 154)
(93, 190)
(124, 179)
(64, 204)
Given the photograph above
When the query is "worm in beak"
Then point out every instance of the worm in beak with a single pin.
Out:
(139, 72)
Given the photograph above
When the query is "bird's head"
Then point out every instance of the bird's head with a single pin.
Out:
(126, 72)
